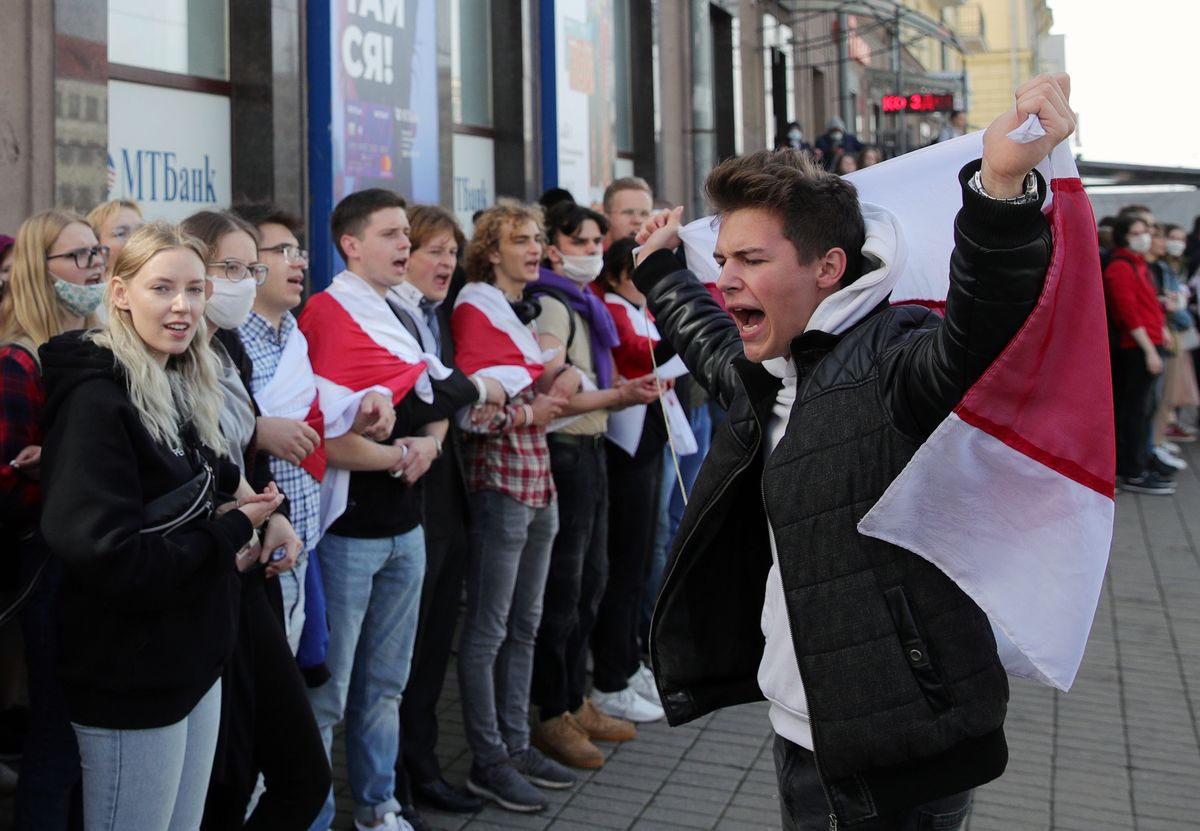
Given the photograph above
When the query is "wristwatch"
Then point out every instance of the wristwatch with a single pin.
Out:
(1030, 194)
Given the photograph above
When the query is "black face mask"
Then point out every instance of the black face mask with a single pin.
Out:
(527, 310)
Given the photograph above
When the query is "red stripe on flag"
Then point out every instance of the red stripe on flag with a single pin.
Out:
(478, 344)
(1049, 394)
(342, 352)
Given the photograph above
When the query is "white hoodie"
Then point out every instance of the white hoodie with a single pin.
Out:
(779, 671)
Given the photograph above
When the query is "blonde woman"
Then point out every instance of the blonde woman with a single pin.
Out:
(56, 282)
(115, 222)
(148, 603)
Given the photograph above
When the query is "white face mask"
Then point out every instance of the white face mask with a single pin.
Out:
(79, 299)
(1175, 247)
(230, 303)
(1139, 243)
(582, 269)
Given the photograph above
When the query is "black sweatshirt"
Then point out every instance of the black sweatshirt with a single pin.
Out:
(146, 621)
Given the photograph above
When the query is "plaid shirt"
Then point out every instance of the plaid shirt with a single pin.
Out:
(22, 397)
(265, 347)
(512, 460)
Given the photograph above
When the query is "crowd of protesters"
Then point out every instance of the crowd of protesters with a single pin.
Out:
(229, 525)
(1151, 283)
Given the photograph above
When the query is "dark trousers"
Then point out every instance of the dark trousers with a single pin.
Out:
(1133, 406)
(634, 483)
(268, 726)
(803, 806)
(441, 593)
(48, 791)
(578, 572)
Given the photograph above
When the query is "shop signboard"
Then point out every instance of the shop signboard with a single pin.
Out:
(168, 149)
(373, 107)
(474, 177)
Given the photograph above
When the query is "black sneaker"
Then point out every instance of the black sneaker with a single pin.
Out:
(541, 770)
(1148, 483)
(504, 785)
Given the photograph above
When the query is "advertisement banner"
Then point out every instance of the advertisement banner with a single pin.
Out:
(373, 106)
(583, 97)
(168, 149)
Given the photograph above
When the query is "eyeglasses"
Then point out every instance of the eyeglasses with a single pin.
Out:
(84, 257)
(291, 254)
(235, 271)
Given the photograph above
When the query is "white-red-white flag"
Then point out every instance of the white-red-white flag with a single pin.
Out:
(490, 340)
(1012, 495)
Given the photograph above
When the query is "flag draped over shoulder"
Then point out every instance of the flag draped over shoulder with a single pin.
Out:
(1012, 495)
(491, 342)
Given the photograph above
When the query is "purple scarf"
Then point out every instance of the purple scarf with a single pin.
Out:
(601, 329)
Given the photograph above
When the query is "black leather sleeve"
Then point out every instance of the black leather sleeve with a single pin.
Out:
(997, 270)
(450, 394)
(695, 325)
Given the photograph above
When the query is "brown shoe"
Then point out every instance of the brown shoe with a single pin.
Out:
(563, 739)
(602, 727)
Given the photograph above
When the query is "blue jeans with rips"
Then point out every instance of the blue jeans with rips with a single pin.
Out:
(372, 595)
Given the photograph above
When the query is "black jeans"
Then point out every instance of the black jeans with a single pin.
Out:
(268, 726)
(441, 594)
(803, 806)
(1133, 409)
(48, 792)
(633, 492)
(578, 573)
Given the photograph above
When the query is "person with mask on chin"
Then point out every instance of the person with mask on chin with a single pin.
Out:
(267, 726)
(576, 323)
(1137, 319)
(57, 283)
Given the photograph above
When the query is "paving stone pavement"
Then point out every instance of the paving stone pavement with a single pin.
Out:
(1120, 751)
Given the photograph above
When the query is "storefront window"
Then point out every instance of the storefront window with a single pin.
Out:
(471, 62)
(184, 37)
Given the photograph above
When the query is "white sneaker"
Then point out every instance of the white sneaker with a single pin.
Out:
(390, 822)
(642, 683)
(1170, 446)
(1169, 459)
(628, 705)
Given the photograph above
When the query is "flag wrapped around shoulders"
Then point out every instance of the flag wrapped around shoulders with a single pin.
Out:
(356, 345)
(1012, 495)
(356, 342)
(490, 340)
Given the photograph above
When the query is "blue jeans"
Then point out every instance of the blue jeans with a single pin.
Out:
(372, 594)
(151, 779)
(507, 564)
(670, 512)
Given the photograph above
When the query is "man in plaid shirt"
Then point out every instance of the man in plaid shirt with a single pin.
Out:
(514, 518)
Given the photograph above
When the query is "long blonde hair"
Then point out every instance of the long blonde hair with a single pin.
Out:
(189, 389)
(30, 308)
(105, 211)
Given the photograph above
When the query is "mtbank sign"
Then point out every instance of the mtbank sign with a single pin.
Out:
(168, 149)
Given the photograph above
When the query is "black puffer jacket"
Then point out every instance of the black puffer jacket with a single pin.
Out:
(906, 694)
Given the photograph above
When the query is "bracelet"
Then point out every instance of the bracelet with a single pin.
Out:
(438, 443)
(482, 387)
(525, 408)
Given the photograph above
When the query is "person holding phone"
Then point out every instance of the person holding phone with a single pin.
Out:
(148, 603)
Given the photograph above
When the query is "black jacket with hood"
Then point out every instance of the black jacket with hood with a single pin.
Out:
(906, 695)
(146, 620)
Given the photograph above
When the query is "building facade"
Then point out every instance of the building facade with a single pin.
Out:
(191, 104)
